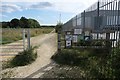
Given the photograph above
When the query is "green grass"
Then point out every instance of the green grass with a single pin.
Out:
(21, 59)
(94, 63)
(71, 57)
(24, 58)
(10, 35)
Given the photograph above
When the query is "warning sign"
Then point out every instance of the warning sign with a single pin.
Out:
(68, 37)
(75, 38)
(68, 43)
(87, 33)
(77, 31)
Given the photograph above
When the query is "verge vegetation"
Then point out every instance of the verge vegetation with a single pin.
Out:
(94, 64)
(14, 34)
(22, 58)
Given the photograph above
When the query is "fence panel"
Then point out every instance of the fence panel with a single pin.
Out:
(100, 26)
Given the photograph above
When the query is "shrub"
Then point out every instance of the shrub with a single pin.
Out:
(84, 43)
(115, 62)
(24, 58)
(70, 57)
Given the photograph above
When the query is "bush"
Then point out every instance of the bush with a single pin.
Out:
(70, 57)
(97, 43)
(115, 62)
(24, 58)
(84, 43)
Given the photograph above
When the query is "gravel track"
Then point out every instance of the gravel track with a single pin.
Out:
(47, 47)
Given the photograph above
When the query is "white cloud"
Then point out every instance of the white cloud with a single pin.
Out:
(40, 5)
(70, 6)
(9, 8)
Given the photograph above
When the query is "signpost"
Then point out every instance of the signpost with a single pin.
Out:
(68, 39)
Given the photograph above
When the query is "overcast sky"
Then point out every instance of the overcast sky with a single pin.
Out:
(45, 11)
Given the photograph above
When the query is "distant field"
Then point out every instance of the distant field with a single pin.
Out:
(10, 35)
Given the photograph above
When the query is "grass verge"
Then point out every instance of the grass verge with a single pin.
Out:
(94, 64)
(14, 34)
(22, 58)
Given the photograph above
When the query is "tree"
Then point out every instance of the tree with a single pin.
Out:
(33, 23)
(58, 27)
(24, 22)
(14, 23)
(5, 24)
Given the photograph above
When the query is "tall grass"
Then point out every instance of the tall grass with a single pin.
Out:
(24, 58)
(94, 64)
(21, 59)
(12, 34)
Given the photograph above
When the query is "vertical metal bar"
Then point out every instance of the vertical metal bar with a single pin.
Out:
(28, 38)
(59, 41)
(105, 25)
(108, 40)
(118, 32)
(98, 25)
(84, 23)
(76, 20)
(112, 24)
(23, 33)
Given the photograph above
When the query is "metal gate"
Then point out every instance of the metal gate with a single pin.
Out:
(13, 42)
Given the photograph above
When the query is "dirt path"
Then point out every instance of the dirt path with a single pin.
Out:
(8, 51)
(47, 47)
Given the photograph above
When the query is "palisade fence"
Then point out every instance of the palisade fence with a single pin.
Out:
(14, 41)
(98, 24)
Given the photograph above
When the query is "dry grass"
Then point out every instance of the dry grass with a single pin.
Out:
(10, 35)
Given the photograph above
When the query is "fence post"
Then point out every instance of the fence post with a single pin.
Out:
(59, 41)
(28, 39)
(84, 23)
(23, 32)
(98, 25)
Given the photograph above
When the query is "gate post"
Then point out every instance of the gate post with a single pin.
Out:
(23, 33)
(28, 39)
(59, 41)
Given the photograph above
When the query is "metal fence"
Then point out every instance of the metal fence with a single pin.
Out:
(100, 22)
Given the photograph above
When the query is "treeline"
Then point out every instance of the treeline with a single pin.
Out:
(21, 23)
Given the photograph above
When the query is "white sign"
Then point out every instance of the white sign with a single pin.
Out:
(75, 38)
(68, 43)
(87, 33)
(77, 31)
(68, 37)
(68, 32)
